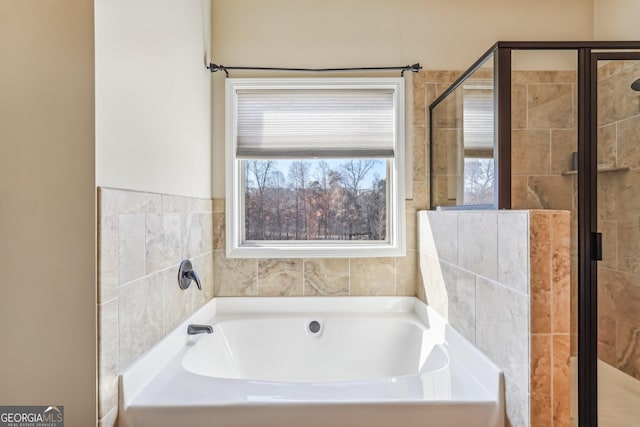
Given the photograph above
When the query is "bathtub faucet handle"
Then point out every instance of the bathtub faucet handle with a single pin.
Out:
(186, 274)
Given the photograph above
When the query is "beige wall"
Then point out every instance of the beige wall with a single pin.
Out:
(153, 108)
(47, 207)
(616, 19)
(441, 35)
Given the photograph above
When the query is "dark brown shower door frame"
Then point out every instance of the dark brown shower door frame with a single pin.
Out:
(589, 240)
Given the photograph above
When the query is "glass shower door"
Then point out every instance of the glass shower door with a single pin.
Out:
(618, 221)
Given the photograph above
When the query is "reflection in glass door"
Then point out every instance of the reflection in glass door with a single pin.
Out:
(618, 221)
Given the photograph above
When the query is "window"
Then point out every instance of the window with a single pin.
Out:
(314, 167)
(479, 161)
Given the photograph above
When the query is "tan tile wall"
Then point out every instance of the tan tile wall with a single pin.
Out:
(142, 239)
(309, 276)
(618, 213)
(550, 249)
(502, 279)
(544, 135)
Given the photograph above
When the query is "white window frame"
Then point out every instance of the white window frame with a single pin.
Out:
(236, 247)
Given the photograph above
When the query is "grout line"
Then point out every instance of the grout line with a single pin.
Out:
(257, 278)
(493, 281)
(395, 276)
(304, 261)
(526, 106)
(107, 302)
(551, 375)
(349, 276)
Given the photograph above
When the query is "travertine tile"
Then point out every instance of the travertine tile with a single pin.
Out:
(461, 300)
(607, 145)
(550, 106)
(628, 246)
(519, 106)
(196, 234)
(532, 77)
(326, 277)
(234, 277)
(204, 266)
(125, 201)
(561, 381)
(419, 155)
(531, 152)
(628, 349)
(430, 96)
(131, 247)
(407, 276)
(218, 205)
(411, 231)
(563, 144)
(560, 272)
(609, 230)
(176, 204)
(163, 241)
(615, 100)
(444, 151)
(513, 250)
(419, 107)
(178, 303)
(219, 231)
(607, 329)
(439, 234)
(521, 195)
(109, 420)
(478, 243)
(373, 276)
(441, 195)
(108, 366)
(280, 277)
(541, 381)
(447, 114)
(441, 76)
(628, 142)
(433, 286)
(140, 317)
(108, 269)
(540, 270)
(550, 192)
(502, 325)
(618, 295)
(516, 405)
(420, 199)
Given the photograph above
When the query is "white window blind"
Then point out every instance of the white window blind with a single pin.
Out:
(478, 111)
(287, 123)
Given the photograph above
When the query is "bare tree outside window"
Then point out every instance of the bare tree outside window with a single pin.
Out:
(478, 181)
(315, 199)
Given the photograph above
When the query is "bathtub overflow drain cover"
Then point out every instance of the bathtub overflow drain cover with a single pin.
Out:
(314, 327)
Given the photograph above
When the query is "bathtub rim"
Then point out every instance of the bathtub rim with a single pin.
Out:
(136, 376)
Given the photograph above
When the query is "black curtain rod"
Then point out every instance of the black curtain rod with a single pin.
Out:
(413, 68)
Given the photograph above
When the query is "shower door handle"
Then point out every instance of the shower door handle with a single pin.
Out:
(596, 246)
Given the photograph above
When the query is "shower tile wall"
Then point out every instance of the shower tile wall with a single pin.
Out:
(618, 217)
(142, 239)
(544, 136)
(501, 278)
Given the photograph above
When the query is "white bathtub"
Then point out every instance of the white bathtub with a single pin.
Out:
(375, 361)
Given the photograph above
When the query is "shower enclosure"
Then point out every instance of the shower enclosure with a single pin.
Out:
(556, 125)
